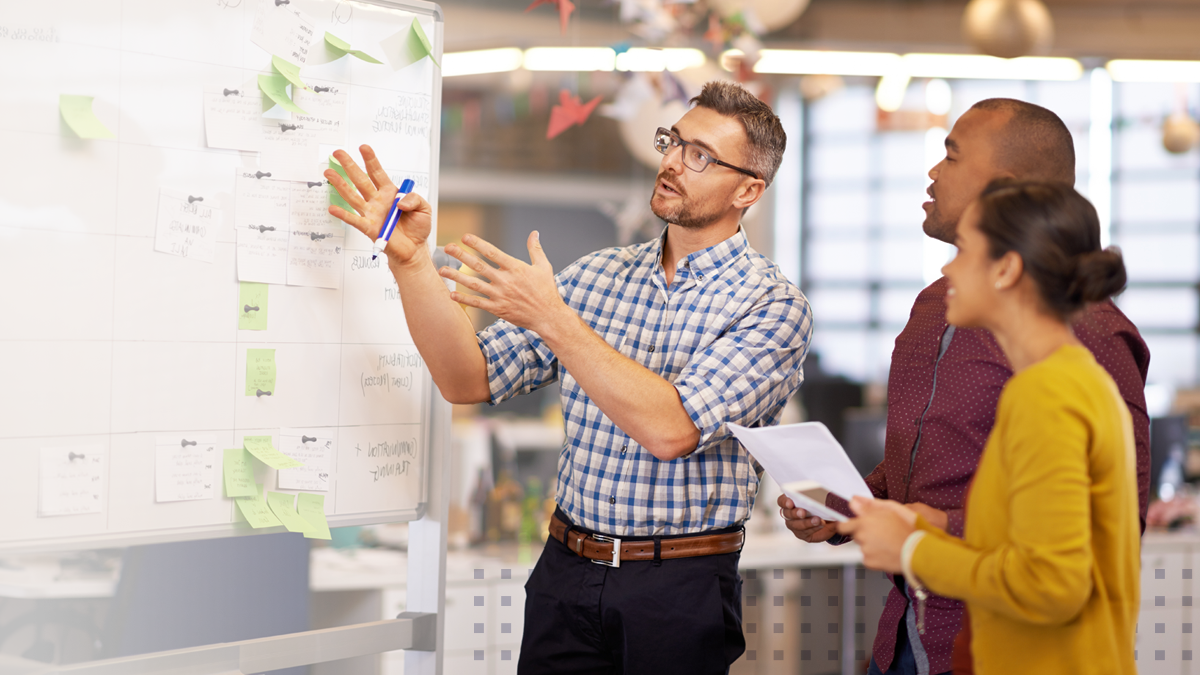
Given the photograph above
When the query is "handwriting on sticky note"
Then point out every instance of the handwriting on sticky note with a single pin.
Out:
(71, 480)
(77, 112)
(284, 508)
(232, 116)
(184, 467)
(317, 243)
(262, 448)
(261, 221)
(290, 151)
(260, 372)
(312, 509)
(282, 31)
(239, 473)
(252, 306)
(326, 105)
(315, 449)
(256, 512)
(187, 226)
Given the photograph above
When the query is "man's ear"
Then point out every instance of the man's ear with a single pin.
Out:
(748, 193)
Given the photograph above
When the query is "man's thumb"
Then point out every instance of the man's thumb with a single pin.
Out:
(536, 254)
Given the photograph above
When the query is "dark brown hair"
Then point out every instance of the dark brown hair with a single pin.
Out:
(1056, 232)
(762, 126)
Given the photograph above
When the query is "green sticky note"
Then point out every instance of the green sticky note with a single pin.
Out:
(260, 372)
(283, 506)
(340, 47)
(256, 512)
(252, 306)
(334, 197)
(275, 88)
(289, 70)
(262, 448)
(312, 510)
(77, 112)
(239, 474)
(407, 47)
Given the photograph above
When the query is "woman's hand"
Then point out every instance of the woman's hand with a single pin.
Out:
(880, 530)
(372, 200)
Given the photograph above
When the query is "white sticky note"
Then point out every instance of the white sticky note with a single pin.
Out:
(314, 447)
(261, 220)
(284, 32)
(71, 480)
(317, 242)
(233, 117)
(187, 225)
(184, 467)
(325, 103)
(290, 151)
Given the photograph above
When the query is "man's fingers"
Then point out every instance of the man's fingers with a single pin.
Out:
(360, 179)
(499, 258)
(374, 169)
(785, 502)
(476, 301)
(347, 191)
(474, 283)
(472, 261)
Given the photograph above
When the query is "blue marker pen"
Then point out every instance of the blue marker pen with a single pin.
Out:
(394, 215)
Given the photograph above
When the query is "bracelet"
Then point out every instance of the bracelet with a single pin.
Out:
(906, 556)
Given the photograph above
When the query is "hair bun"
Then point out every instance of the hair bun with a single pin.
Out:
(1099, 275)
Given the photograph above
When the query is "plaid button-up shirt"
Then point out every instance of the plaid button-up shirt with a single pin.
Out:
(730, 333)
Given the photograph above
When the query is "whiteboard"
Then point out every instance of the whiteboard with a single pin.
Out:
(110, 348)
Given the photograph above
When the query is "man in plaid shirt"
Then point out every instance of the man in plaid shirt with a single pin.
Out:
(657, 347)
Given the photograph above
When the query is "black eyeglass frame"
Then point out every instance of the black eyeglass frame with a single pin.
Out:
(677, 141)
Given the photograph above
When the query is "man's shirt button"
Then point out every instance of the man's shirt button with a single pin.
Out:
(612, 500)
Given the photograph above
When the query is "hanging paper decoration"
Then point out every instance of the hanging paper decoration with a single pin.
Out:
(568, 113)
(565, 7)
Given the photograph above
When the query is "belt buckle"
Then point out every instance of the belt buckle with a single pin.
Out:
(616, 550)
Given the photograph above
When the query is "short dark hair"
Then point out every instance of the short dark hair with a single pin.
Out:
(1056, 232)
(1034, 144)
(762, 125)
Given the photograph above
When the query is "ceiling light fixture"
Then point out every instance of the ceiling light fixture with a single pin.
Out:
(481, 61)
(880, 64)
(1131, 70)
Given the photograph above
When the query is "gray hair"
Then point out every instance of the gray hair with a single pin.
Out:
(762, 126)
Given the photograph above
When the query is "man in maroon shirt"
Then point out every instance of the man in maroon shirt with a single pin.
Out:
(945, 382)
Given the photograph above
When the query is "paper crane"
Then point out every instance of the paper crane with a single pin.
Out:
(565, 7)
(569, 112)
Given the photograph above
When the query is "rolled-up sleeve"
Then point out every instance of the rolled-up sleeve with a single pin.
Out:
(518, 361)
(750, 370)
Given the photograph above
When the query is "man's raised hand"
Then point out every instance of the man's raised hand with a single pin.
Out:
(372, 201)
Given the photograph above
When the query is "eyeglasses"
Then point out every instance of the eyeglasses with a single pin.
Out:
(694, 158)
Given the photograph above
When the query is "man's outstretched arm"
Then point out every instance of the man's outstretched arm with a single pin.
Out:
(440, 329)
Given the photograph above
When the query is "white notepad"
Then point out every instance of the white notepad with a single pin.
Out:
(807, 462)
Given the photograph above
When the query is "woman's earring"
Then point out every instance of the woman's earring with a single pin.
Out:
(997, 285)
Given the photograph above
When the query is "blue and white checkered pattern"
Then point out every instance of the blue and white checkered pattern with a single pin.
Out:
(730, 333)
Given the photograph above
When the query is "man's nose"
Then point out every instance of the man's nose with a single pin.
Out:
(673, 160)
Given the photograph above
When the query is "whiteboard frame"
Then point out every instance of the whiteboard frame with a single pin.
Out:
(236, 528)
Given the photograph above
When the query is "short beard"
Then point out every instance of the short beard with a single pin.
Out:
(935, 226)
(684, 215)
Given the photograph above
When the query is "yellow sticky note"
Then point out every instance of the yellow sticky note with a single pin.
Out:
(283, 506)
(262, 448)
(275, 88)
(239, 474)
(312, 510)
(252, 306)
(77, 112)
(340, 48)
(256, 511)
(260, 372)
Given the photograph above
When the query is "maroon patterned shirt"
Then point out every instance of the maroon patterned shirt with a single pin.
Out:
(952, 420)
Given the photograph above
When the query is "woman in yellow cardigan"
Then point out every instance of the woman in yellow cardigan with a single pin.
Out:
(1049, 561)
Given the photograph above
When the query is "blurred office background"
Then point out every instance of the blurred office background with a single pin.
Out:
(866, 120)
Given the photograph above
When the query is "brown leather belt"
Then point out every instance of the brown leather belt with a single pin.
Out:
(612, 551)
